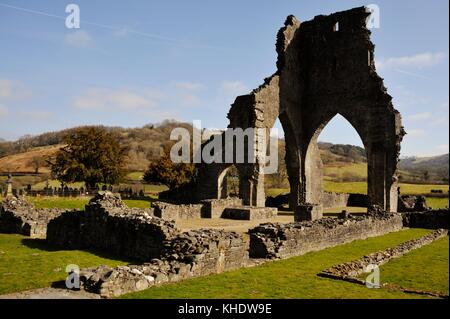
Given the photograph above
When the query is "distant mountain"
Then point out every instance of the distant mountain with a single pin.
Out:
(428, 168)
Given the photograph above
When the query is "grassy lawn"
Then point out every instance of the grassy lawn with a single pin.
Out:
(30, 263)
(135, 176)
(361, 188)
(297, 277)
(339, 171)
(425, 268)
(437, 203)
(78, 202)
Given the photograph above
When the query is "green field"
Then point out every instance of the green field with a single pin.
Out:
(30, 263)
(38, 265)
(425, 268)
(297, 277)
(78, 203)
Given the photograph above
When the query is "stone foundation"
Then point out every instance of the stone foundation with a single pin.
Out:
(249, 213)
(17, 216)
(190, 254)
(174, 212)
(214, 208)
(286, 240)
(108, 225)
(308, 212)
(433, 219)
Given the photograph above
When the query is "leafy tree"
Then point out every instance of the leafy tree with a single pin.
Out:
(92, 155)
(168, 173)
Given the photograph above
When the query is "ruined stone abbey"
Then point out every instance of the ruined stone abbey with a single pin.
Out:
(325, 67)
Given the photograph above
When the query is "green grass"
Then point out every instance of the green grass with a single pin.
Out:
(30, 263)
(135, 176)
(295, 277)
(78, 203)
(338, 172)
(437, 203)
(55, 183)
(425, 268)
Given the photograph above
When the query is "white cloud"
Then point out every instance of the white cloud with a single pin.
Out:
(421, 60)
(78, 38)
(415, 133)
(420, 116)
(5, 88)
(234, 88)
(3, 111)
(123, 99)
(189, 86)
(36, 114)
(13, 90)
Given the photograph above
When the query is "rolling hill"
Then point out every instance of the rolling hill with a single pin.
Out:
(146, 144)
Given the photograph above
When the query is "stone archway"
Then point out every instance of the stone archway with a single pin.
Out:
(322, 71)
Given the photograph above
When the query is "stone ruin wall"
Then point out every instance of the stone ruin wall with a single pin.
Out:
(18, 216)
(108, 225)
(175, 212)
(191, 254)
(432, 219)
(287, 240)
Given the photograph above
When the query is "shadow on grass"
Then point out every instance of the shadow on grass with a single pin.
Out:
(43, 245)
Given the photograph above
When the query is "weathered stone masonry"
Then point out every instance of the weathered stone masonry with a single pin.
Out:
(286, 240)
(20, 217)
(321, 71)
(108, 225)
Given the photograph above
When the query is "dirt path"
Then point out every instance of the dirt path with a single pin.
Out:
(50, 293)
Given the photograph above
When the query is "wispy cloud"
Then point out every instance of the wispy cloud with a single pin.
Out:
(13, 90)
(123, 99)
(234, 88)
(190, 86)
(36, 114)
(421, 60)
(415, 133)
(5, 88)
(420, 116)
(79, 38)
(3, 111)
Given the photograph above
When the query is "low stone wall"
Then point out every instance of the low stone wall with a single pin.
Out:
(174, 212)
(214, 208)
(190, 254)
(108, 225)
(249, 213)
(286, 240)
(433, 219)
(330, 199)
(412, 203)
(17, 216)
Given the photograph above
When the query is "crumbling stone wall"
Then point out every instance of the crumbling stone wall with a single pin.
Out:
(432, 219)
(286, 240)
(190, 254)
(214, 208)
(18, 216)
(175, 212)
(412, 203)
(107, 224)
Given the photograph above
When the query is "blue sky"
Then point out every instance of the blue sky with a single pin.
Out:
(138, 62)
